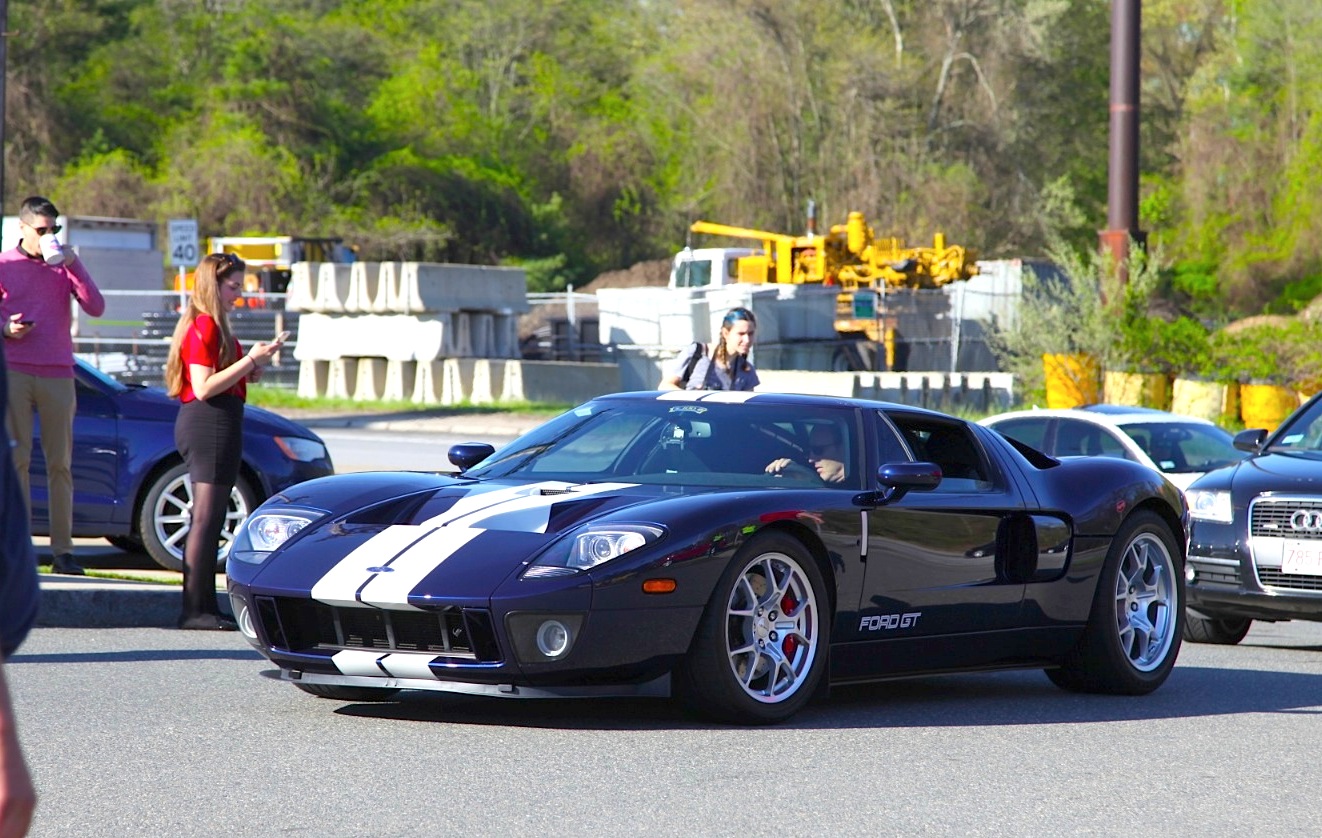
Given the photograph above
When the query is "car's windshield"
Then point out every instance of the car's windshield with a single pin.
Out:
(688, 443)
(1178, 447)
(1302, 431)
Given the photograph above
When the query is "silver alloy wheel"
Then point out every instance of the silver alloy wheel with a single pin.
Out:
(772, 628)
(1146, 600)
(171, 517)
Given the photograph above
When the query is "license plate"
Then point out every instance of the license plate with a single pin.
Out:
(1302, 557)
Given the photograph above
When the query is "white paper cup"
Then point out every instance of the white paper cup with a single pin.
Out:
(51, 250)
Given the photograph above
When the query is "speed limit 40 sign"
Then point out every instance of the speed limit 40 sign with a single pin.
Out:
(183, 242)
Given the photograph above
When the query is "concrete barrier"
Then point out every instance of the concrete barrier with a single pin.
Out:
(566, 382)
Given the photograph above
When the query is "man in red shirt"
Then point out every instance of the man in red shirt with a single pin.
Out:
(35, 320)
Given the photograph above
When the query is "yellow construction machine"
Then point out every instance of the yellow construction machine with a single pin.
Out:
(850, 256)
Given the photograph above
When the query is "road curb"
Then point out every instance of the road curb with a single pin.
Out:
(90, 602)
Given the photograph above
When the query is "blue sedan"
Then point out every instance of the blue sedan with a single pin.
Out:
(132, 488)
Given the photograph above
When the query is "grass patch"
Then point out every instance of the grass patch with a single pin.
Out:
(124, 575)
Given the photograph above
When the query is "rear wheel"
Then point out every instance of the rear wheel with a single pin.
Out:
(1225, 631)
(1133, 634)
(347, 693)
(760, 650)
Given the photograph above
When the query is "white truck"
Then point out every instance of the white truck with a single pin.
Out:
(707, 267)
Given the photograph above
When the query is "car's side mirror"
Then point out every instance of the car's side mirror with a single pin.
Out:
(1250, 440)
(468, 454)
(898, 479)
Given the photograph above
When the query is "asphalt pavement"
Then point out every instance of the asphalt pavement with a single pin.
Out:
(152, 597)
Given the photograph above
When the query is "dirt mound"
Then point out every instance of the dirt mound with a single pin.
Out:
(656, 272)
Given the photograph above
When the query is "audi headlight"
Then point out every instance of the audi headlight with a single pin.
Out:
(301, 449)
(590, 547)
(266, 530)
(1207, 505)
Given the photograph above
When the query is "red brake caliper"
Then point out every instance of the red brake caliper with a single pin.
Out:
(791, 642)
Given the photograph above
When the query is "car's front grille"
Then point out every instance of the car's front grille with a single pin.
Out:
(304, 624)
(1273, 578)
(1273, 517)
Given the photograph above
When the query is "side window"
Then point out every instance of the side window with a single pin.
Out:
(1110, 446)
(1031, 431)
(889, 447)
(952, 447)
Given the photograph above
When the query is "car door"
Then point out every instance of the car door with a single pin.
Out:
(96, 459)
(943, 562)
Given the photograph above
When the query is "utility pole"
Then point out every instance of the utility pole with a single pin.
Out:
(1122, 172)
(4, 67)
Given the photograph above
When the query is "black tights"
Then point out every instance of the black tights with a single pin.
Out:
(202, 547)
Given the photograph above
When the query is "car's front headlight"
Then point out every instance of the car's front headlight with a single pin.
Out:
(301, 449)
(592, 546)
(1207, 505)
(266, 530)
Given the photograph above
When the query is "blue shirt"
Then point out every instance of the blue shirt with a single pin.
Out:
(708, 375)
(19, 593)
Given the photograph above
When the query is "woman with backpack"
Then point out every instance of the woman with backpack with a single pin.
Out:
(722, 366)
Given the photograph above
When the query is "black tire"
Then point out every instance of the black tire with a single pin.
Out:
(1226, 631)
(127, 543)
(760, 650)
(163, 520)
(347, 693)
(1133, 634)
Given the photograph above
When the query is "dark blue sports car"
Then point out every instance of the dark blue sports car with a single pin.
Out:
(130, 485)
(739, 551)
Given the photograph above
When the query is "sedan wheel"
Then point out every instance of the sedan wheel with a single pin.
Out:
(166, 516)
(1226, 631)
(1133, 634)
(761, 647)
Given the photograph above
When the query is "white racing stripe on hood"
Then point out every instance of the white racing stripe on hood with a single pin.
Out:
(391, 590)
(382, 571)
(475, 502)
(341, 583)
(377, 665)
(472, 511)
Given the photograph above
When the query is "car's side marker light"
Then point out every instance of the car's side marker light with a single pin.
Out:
(658, 586)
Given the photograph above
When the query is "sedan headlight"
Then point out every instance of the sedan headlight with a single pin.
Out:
(1210, 506)
(590, 547)
(301, 449)
(265, 530)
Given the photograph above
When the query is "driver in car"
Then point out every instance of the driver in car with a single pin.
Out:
(826, 455)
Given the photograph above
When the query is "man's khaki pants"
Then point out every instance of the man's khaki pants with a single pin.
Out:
(53, 400)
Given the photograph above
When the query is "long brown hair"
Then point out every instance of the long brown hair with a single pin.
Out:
(205, 299)
(721, 355)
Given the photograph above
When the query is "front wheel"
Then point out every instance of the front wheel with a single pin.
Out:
(761, 647)
(166, 516)
(1225, 631)
(1133, 634)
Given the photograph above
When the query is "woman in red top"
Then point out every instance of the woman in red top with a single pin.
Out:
(209, 372)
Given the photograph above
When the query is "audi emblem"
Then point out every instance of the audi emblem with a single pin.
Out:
(1307, 520)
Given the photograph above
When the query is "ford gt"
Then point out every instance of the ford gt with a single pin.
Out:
(740, 552)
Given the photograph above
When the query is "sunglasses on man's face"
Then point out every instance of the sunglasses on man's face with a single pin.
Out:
(820, 448)
(45, 231)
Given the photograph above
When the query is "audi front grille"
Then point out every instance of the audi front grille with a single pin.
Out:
(1286, 517)
(1273, 521)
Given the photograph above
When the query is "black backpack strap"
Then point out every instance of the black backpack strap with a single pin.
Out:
(699, 351)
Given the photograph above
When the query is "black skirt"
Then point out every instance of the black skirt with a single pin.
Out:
(209, 436)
